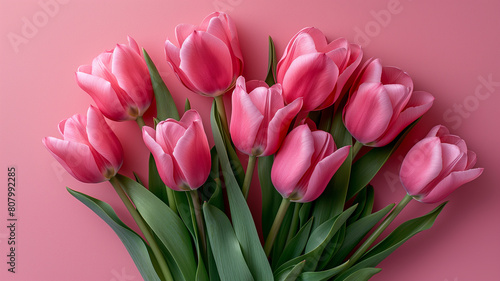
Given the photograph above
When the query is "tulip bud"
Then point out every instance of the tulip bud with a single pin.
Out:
(208, 59)
(89, 150)
(260, 119)
(437, 165)
(181, 151)
(118, 80)
(316, 70)
(305, 163)
(382, 104)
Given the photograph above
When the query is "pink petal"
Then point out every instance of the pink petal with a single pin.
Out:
(450, 183)
(455, 140)
(421, 165)
(173, 58)
(103, 139)
(245, 120)
(132, 44)
(73, 129)
(372, 72)
(163, 160)
(104, 96)
(253, 84)
(346, 77)
(339, 57)
(292, 160)
(102, 67)
(76, 158)
(311, 77)
(438, 131)
(192, 154)
(471, 159)
(168, 134)
(368, 112)
(394, 75)
(279, 125)
(182, 31)
(419, 103)
(339, 43)
(190, 117)
(323, 172)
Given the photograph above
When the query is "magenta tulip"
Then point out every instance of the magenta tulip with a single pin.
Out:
(316, 70)
(305, 163)
(181, 151)
(437, 165)
(89, 150)
(382, 104)
(208, 59)
(118, 81)
(260, 119)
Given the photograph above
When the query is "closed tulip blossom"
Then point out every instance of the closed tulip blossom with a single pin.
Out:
(316, 70)
(118, 81)
(89, 150)
(208, 58)
(437, 165)
(382, 104)
(181, 151)
(305, 163)
(260, 119)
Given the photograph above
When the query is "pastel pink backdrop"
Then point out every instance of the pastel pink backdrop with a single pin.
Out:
(449, 48)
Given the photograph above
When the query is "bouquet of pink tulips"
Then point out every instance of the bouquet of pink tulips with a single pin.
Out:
(301, 128)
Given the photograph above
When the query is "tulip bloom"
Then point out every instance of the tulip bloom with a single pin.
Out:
(181, 151)
(382, 104)
(208, 59)
(437, 165)
(315, 70)
(260, 119)
(305, 163)
(118, 80)
(89, 150)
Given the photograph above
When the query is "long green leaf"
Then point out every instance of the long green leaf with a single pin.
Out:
(156, 185)
(271, 199)
(318, 241)
(225, 247)
(165, 105)
(165, 223)
(365, 169)
(134, 244)
(332, 201)
(241, 216)
(271, 69)
(296, 244)
(292, 273)
(363, 274)
(322, 275)
(400, 235)
(356, 231)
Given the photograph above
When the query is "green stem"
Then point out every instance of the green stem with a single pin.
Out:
(140, 122)
(356, 148)
(295, 222)
(248, 175)
(199, 219)
(171, 199)
(144, 228)
(222, 113)
(276, 226)
(394, 213)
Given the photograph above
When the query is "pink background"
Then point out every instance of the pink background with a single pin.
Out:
(448, 47)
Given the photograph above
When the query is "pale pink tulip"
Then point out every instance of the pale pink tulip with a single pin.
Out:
(208, 59)
(118, 81)
(89, 150)
(305, 163)
(316, 70)
(437, 165)
(382, 103)
(260, 119)
(181, 151)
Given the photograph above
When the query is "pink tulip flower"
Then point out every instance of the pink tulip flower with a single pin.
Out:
(89, 150)
(437, 165)
(382, 104)
(305, 163)
(260, 119)
(208, 59)
(181, 151)
(118, 81)
(316, 70)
